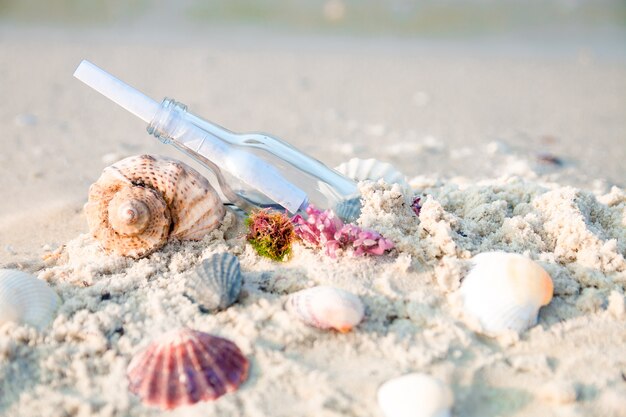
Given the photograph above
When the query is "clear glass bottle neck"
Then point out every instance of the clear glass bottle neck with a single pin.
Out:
(276, 169)
(171, 113)
(167, 118)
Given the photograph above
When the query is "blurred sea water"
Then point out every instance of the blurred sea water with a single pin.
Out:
(462, 72)
(448, 18)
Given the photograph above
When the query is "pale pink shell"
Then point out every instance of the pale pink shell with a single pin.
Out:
(327, 308)
(185, 367)
(141, 202)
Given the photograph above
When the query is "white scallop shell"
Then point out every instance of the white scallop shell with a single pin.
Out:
(360, 170)
(327, 308)
(504, 291)
(373, 170)
(25, 299)
(141, 202)
(415, 395)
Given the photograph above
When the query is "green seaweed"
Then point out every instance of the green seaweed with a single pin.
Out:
(270, 234)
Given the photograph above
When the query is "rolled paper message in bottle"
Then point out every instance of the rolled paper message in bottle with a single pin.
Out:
(254, 170)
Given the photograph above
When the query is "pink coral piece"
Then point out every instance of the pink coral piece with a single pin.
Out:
(323, 228)
(364, 241)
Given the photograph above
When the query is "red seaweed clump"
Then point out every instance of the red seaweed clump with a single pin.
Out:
(270, 234)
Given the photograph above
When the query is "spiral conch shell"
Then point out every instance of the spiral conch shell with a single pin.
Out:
(141, 202)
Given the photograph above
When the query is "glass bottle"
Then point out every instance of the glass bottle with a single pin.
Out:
(252, 169)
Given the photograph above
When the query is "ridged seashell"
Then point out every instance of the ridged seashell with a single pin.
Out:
(349, 210)
(140, 202)
(373, 170)
(184, 367)
(415, 395)
(216, 282)
(327, 308)
(504, 291)
(25, 299)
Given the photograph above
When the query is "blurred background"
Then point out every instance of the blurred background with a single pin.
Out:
(475, 89)
(448, 18)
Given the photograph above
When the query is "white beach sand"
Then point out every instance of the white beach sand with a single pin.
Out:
(469, 126)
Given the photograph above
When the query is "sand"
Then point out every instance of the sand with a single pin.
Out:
(471, 129)
(113, 306)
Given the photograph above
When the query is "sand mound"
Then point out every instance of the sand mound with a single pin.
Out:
(114, 306)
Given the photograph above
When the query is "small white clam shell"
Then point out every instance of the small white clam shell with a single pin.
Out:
(415, 395)
(504, 292)
(373, 170)
(327, 308)
(25, 299)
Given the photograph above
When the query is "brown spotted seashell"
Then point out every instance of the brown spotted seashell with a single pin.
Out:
(140, 202)
(184, 367)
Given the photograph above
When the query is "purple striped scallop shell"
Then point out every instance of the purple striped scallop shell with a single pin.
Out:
(185, 367)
